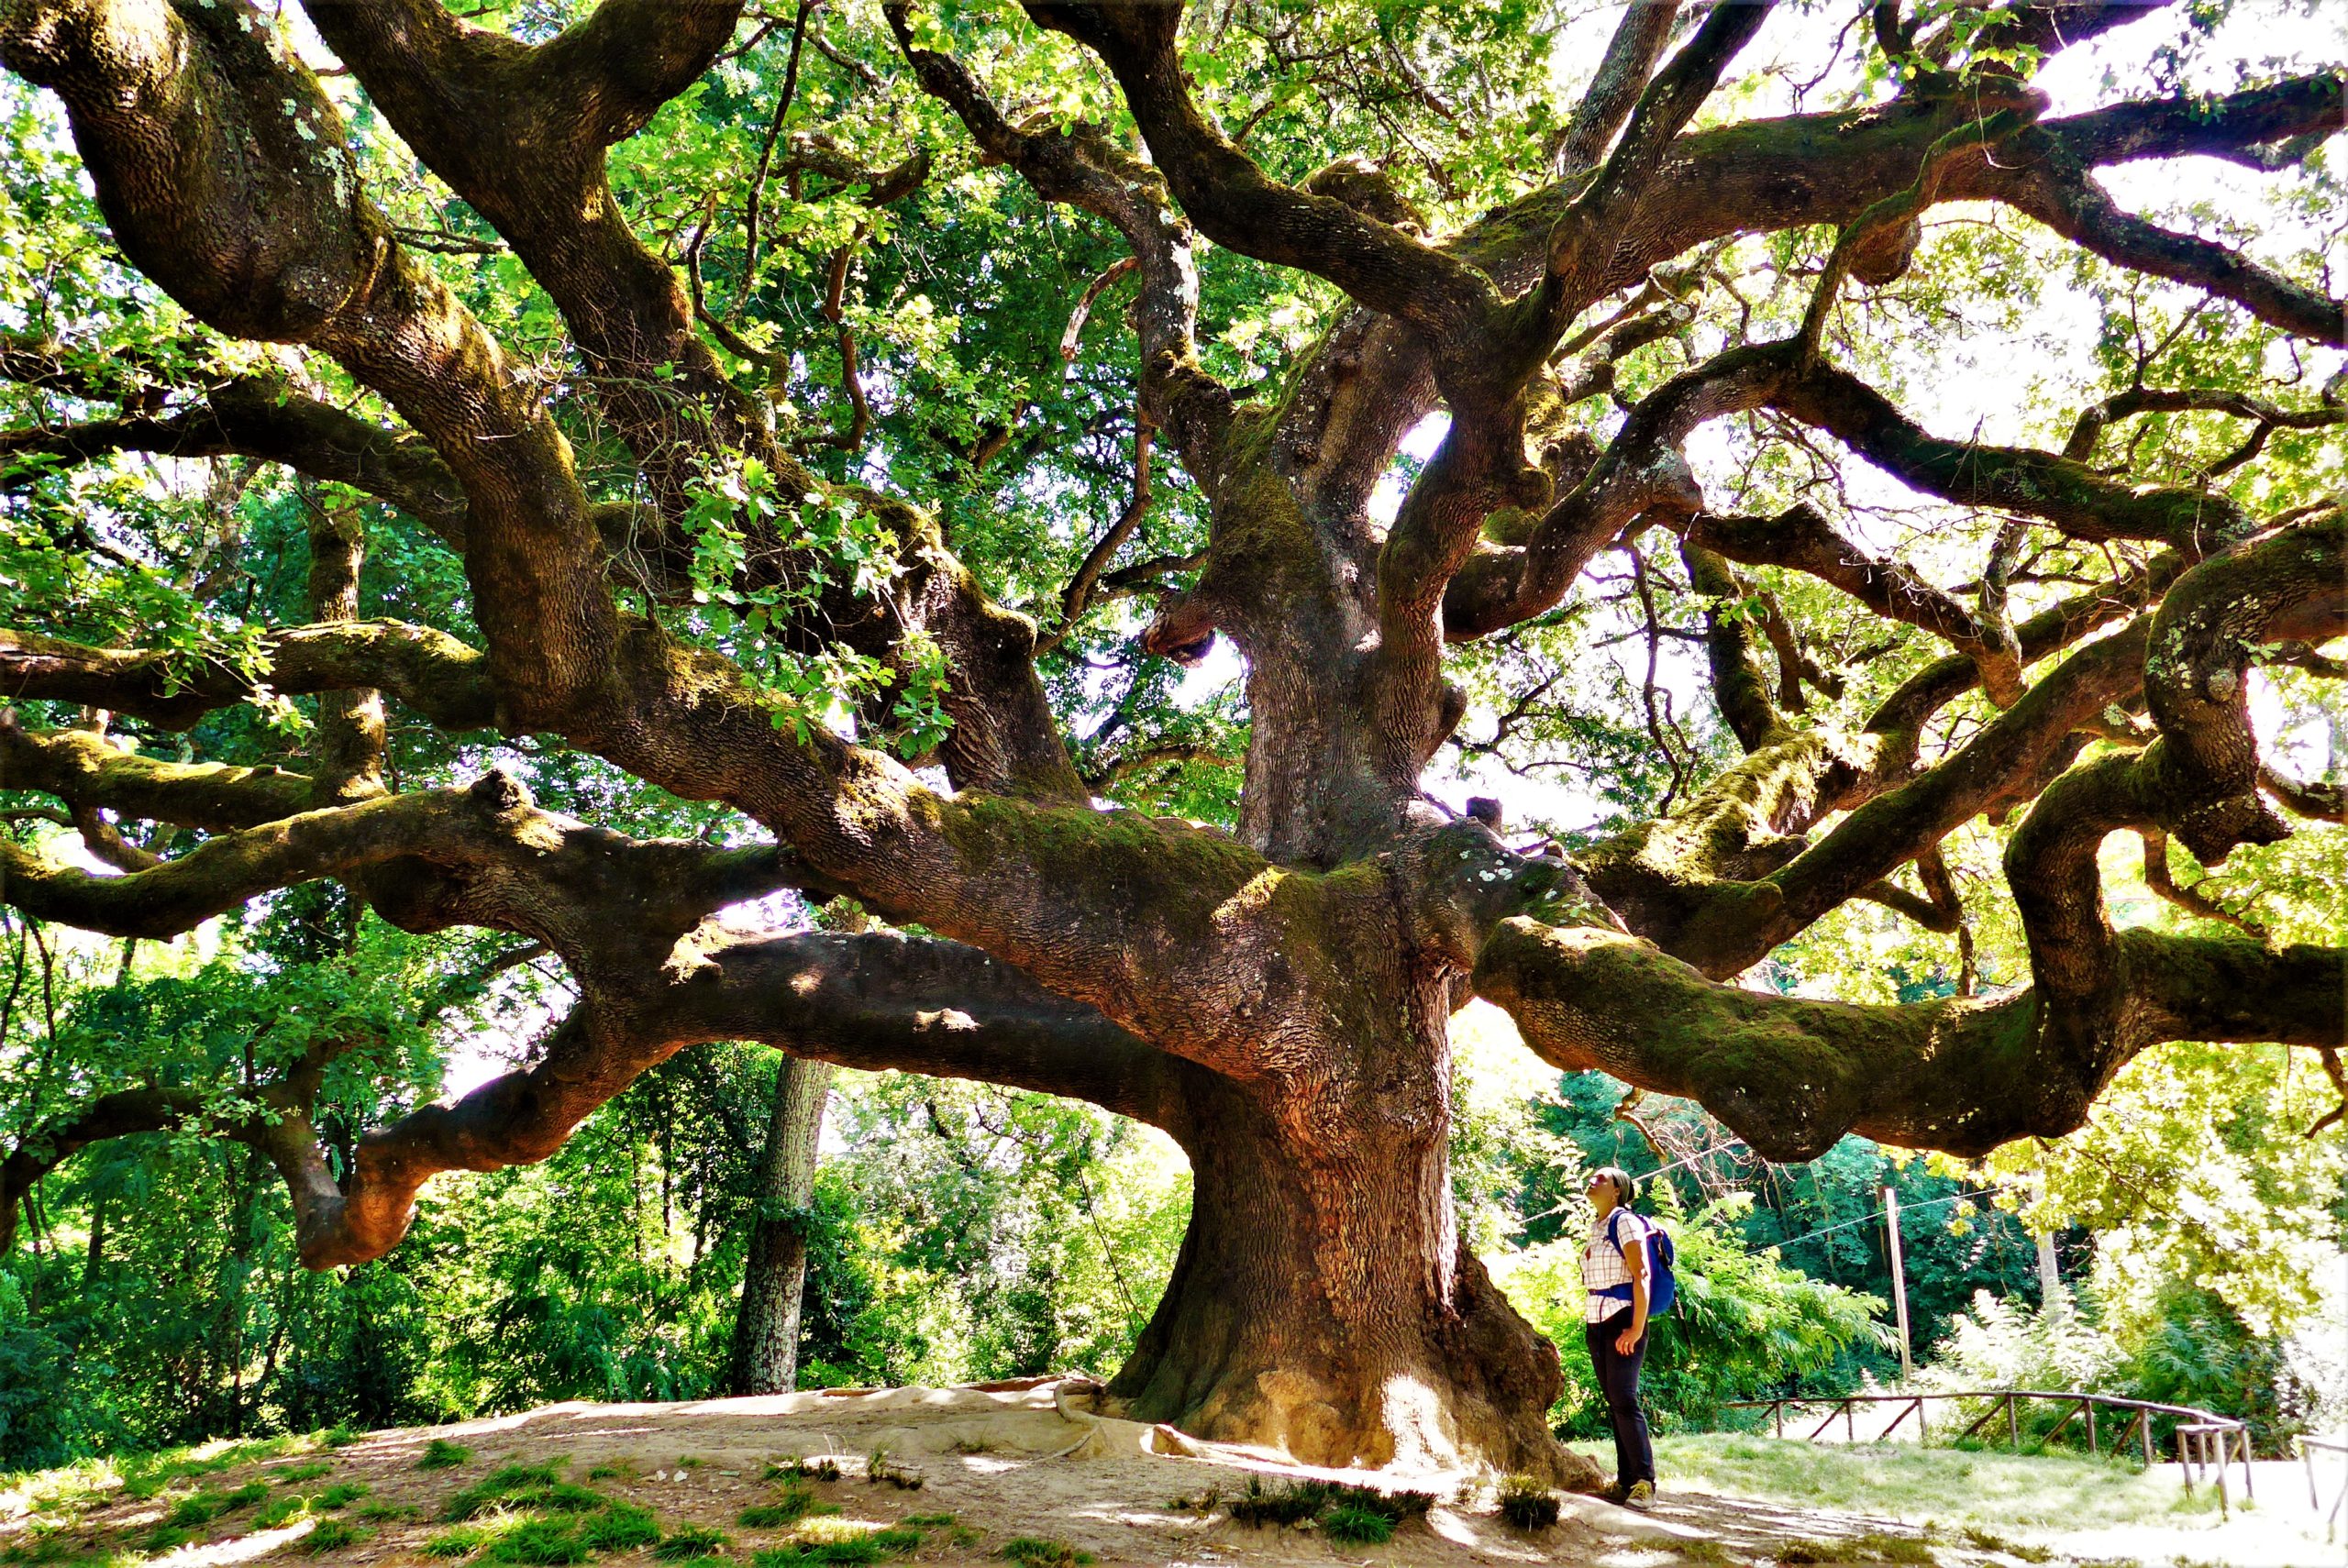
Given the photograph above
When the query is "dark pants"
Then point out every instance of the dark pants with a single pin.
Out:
(1618, 1379)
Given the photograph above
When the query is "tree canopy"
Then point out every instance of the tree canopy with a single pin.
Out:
(1097, 486)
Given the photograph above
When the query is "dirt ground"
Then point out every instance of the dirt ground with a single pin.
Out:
(1005, 1460)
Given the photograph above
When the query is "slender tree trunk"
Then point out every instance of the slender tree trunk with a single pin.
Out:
(766, 1330)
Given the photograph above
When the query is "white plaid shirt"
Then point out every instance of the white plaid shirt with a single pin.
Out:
(1602, 1265)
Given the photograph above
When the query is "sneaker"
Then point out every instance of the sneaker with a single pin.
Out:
(1640, 1496)
(1615, 1492)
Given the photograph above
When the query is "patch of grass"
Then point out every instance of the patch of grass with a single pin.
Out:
(1986, 1541)
(1995, 1492)
(796, 1504)
(200, 1508)
(1295, 1502)
(865, 1548)
(610, 1472)
(540, 1543)
(524, 1487)
(1872, 1547)
(1355, 1525)
(972, 1445)
(622, 1527)
(442, 1454)
(690, 1543)
(930, 1521)
(461, 1542)
(690, 1462)
(383, 1512)
(165, 1538)
(1702, 1551)
(279, 1510)
(294, 1475)
(1285, 1504)
(341, 1495)
(339, 1437)
(1040, 1553)
(1527, 1505)
(331, 1535)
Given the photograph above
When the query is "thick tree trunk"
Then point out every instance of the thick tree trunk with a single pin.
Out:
(765, 1331)
(1323, 1302)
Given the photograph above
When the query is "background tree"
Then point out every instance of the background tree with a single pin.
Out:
(776, 535)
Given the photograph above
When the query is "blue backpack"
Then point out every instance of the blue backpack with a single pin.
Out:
(1663, 1282)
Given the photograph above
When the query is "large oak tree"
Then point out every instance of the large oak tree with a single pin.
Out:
(597, 303)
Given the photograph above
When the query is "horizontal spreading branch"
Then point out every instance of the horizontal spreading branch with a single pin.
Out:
(250, 416)
(874, 1002)
(1790, 1076)
(427, 669)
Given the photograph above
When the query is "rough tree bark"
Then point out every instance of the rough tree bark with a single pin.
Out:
(1277, 997)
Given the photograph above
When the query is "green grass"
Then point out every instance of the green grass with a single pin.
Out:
(330, 1535)
(279, 1510)
(622, 1527)
(1355, 1525)
(1926, 1485)
(842, 1543)
(341, 1495)
(688, 1543)
(294, 1475)
(537, 1540)
(524, 1487)
(1039, 1554)
(462, 1541)
(796, 1504)
(442, 1454)
(1870, 1548)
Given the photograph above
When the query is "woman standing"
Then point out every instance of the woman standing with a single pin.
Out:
(1615, 1270)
